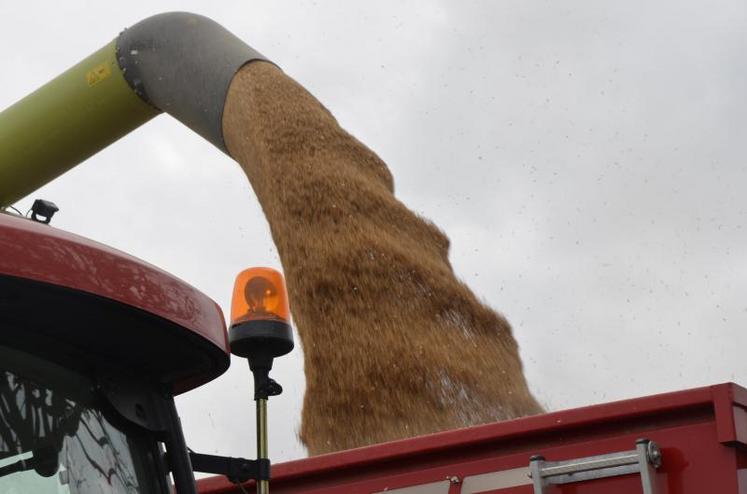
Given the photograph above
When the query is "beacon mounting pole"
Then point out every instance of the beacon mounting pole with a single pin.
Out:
(263, 486)
(260, 331)
(264, 387)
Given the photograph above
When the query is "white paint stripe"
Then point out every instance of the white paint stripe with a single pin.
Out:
(441, 487)
(496, 480)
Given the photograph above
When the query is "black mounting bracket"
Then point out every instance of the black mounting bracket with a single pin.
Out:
(42, 211)
(238, 470)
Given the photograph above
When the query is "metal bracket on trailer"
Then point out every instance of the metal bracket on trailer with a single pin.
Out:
(645, 459)
(237, 470)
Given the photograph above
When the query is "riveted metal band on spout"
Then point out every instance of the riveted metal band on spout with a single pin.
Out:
(183, 63)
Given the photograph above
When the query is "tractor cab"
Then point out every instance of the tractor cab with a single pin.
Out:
(94, 345)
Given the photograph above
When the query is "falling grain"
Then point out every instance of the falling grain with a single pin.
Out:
(394, 344)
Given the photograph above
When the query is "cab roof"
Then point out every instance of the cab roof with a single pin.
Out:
(171, 324)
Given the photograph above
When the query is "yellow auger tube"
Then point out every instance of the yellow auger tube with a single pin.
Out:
(64, 122)
(176, 62)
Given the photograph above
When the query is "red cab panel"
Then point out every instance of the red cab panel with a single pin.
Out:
(34, 252)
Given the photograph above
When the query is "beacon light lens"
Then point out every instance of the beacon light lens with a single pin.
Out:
(259, 294)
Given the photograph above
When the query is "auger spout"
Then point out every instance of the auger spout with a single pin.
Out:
(179, 63)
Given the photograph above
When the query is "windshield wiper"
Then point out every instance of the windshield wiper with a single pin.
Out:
(19, 466)
(44, 462)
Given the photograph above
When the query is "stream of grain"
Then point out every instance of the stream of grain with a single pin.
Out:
(394, 344)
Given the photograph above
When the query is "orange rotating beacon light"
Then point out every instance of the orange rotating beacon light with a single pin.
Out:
(260, 318)
(260, 331)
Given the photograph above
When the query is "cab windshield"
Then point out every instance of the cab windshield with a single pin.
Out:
(55, 439)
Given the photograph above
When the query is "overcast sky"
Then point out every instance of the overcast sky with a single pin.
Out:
(586, 158)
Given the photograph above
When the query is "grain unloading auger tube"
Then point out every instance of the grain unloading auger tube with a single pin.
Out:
(178, 63)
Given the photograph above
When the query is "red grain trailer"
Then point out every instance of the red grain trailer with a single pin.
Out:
(686, 442)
